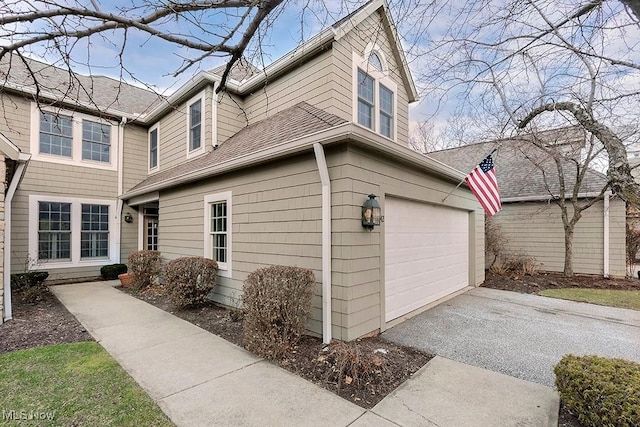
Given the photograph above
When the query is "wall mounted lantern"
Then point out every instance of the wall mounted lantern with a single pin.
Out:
(128, 218)
(371, 213)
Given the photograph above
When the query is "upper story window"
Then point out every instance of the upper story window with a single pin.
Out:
(195, 125)
(365, 99)
(154, 148)
(375, 61)
(96, 141)
(386, 111)
(72, 138)
(375, 93)
(56, 134)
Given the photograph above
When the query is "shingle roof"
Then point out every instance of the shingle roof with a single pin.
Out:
(300, 120)
(522, 169)
(102, 93)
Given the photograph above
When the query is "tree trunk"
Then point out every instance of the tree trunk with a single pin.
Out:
(568, 250)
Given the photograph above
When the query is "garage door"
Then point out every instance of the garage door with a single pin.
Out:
(426, 254)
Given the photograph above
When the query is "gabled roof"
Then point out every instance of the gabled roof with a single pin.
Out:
(523, 170)
(294, 122)
(94, 92)
(253, 78)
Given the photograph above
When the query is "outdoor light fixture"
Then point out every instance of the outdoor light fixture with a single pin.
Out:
(371, 213)
(128, 218)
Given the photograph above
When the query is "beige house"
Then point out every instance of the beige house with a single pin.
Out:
(273, 170)
(531, 221)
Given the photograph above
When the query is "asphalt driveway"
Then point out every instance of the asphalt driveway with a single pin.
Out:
(519, 334)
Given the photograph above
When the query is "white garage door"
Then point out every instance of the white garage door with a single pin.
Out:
(426, 254)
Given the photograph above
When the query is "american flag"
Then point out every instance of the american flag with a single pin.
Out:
(482, 181)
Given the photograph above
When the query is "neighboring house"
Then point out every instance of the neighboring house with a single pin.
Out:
(273, 170)
(531, 222)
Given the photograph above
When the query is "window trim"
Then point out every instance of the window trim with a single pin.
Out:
(200, 150)
(156, 128)
(224, 268)
(379, 78)
(76, 140)
(76, 232)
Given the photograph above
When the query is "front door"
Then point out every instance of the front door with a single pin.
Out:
(150, 224)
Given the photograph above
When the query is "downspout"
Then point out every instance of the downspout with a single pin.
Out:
(326, 242)
(605, 240)
(11, 191)
(120, 202)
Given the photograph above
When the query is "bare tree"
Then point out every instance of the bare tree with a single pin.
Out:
(534, 64)
(572, 186)
(424, 138)
(58, 29)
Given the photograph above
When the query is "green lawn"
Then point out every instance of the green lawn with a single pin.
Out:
(613, 298)
(72, 385)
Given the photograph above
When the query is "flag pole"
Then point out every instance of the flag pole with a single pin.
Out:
(465, 178)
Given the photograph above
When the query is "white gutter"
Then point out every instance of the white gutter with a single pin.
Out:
(605, 242)
(326, 242)
(549, 197)
(23, 160)
(120, 167)
(344, 132)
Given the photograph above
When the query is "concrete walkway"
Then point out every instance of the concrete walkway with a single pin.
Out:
(199, 379)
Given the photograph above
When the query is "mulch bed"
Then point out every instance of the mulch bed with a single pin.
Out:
(389, 364)
(542, 281)
(43, 323)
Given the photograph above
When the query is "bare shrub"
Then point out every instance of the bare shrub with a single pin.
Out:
(144, 267)
(352, 366)
(189, 280)
(494, 240)
(277, 306)
(514, 265)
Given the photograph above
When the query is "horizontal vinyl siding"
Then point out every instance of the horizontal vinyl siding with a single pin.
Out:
(173, 132)
(135, 156)
(44, 178)
(371, 30)
(230, 116)
(52, 179)
(535, 229)
(276, 219)
(617, 238)
(129, 234)
(310, 82)
(15, 120)
(358, 255)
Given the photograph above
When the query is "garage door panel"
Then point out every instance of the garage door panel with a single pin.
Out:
(426, 254)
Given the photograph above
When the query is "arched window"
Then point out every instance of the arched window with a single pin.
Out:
(375, 61)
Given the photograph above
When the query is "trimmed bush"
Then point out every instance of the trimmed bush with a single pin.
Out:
(145, 267)
(189, 280)
(277, 306)
(30, 285)
(600, 391)
(111, 271)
